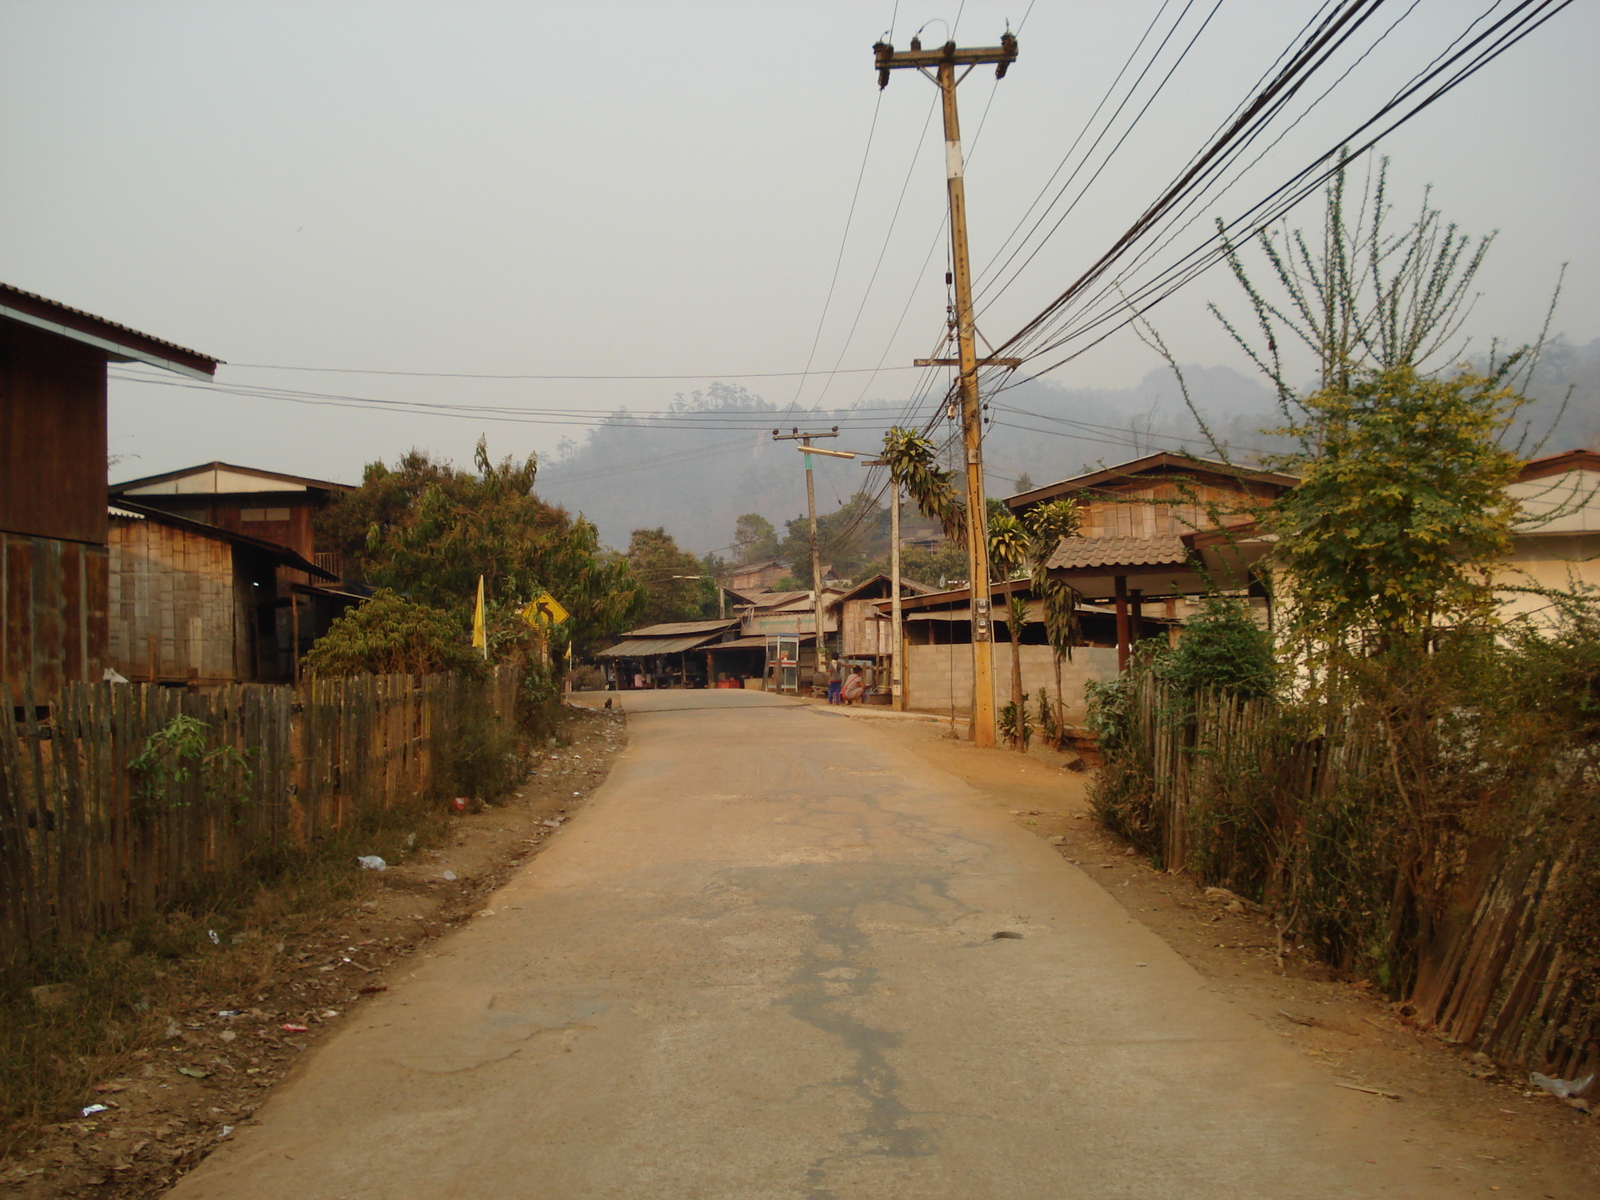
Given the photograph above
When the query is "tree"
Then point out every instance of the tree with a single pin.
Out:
(675, 586)
(1015, 546)
(1021, 546)
(754, 539)
(428, 531)
(850, 537)
(1369, 300)
(1401, 511)
(1388, 543)
(914, 464)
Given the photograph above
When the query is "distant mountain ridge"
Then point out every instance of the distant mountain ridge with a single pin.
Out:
(711, 457)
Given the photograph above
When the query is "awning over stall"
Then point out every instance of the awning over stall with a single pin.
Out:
(647, 647)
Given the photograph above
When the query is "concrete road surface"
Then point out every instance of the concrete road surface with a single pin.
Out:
(775, 956)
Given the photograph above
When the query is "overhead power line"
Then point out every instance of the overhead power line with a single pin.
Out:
(1101, 301)
(559, 378)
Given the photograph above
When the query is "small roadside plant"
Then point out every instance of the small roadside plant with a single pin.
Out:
(1050, 719)
(179, 753)
(1015, 724)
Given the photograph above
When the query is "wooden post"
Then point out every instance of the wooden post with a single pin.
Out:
(1122, 623)
(816, 550)
(897, 629)
(944, 61)
(982, 727)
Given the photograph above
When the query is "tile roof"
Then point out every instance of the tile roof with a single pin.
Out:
(1119, 552)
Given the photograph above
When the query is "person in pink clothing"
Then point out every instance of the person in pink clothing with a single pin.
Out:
(854, 686)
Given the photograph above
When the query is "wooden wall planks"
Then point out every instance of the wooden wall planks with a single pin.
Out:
(84, 845)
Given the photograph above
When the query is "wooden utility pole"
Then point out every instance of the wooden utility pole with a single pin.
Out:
(943, 63)
(811, 509)
(897, 669)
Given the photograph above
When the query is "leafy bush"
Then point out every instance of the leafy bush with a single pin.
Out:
(391, 635)
(1222, 648)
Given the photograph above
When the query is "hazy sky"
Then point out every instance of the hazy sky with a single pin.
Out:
(662, 188)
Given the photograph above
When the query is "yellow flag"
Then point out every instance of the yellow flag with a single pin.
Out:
(480, 639)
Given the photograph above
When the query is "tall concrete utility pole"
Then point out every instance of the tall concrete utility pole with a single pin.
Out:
(943, 63)
(811, 509)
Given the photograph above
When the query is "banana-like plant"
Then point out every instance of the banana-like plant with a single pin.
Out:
(1047, 524)
(914, 464)
(1015, 545)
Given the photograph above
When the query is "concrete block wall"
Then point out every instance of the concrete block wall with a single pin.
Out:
(936, 676)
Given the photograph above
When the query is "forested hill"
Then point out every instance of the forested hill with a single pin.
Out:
(708, 457)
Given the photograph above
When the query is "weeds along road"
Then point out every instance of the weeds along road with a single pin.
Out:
(777, 956)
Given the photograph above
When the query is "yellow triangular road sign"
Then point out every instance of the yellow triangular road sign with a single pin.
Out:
(544, 609)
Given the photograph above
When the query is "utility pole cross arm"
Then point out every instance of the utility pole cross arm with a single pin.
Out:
(889, 59)
(1010, 364)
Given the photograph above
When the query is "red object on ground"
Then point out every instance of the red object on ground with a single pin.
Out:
(297, 1029)
(460, 803)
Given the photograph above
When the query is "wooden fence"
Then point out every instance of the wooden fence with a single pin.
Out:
(1499, 968)
(88, 842)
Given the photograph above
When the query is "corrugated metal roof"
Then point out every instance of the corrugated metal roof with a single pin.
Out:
(778, 599)
(32, 308)
(1166, 550)
(758, 641)
(648, 647)
(1162, 460)
(680, 628)
(201, 468)
(282, 553)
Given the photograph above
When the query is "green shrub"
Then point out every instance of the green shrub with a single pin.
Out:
(391, 635)
(1222, 648)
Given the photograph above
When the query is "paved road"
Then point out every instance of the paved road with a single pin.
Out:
(763, 962)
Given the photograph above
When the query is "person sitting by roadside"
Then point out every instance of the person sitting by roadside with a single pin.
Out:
(835, 682)
(854, 686)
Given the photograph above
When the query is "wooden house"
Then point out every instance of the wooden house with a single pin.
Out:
(268, 505)
(677, 654)
(938, 666)
(1159, 528)
(53, 556)
(197, 604)
(765, 576)
(1161, 495)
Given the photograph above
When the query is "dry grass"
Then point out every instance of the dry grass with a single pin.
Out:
(112, 997)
